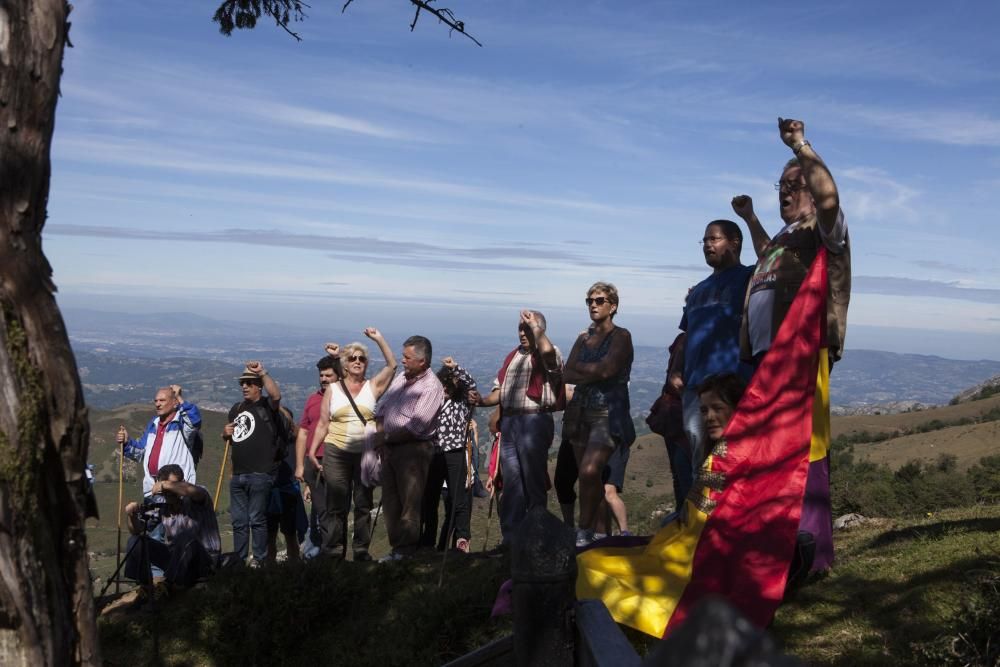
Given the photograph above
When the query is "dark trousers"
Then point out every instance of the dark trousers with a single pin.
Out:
(404, 475)
(317, 490)
(249, 494)
(342, 471)
(524, 453)
(566, 473)
(184, 562)
(450, 467)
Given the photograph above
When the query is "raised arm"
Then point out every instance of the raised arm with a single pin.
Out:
(270, 386)
(819, 180)
(546, 350)
(743, 207)
(617, 358)
(193, 491)
(383, 378)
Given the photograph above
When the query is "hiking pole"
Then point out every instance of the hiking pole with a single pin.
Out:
(451, 531)
(489, 520)
(222, 472)
(378, 510)
(121, 491)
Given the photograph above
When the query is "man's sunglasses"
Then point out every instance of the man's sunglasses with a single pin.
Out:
(599, 300)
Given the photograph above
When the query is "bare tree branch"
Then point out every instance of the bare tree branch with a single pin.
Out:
(444, 15)
(243, 15)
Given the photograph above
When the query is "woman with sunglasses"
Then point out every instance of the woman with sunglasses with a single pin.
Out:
(347, 410)
(597, 419)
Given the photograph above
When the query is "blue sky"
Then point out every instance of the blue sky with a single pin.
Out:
(370, 175)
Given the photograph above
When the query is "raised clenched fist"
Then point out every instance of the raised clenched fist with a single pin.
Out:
(743, 206)
(792, 131)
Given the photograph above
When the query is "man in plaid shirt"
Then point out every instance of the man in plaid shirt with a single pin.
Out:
(528, 389)
(406, 419)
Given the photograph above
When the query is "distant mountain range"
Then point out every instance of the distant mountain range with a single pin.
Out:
(123, 359)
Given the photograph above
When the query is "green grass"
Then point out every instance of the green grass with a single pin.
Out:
(321, 613)
(909, 592)
(866, 437)
(899, 593)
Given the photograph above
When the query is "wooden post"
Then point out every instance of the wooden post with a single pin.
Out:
(543, 571)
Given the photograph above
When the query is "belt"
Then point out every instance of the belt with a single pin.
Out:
(512, 412)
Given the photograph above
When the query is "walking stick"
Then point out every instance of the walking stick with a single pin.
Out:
(121, 487)
(378, 510)
(222, 472)
(489, 518)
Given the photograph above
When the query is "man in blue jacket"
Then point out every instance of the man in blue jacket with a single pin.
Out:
(170, 438)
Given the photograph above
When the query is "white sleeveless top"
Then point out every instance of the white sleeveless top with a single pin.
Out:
(346, 430)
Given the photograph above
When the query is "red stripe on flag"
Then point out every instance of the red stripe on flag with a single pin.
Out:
(746, 547)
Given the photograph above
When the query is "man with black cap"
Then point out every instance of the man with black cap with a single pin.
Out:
(254, 430)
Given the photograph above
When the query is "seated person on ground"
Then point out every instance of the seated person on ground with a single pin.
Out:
(178, 527)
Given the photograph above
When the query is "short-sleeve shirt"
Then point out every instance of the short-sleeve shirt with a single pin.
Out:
(310, 418)
(254, 445)
(712, 315)
(760, 307)
(514, 390)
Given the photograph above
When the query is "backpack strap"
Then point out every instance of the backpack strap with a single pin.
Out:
(343, 386)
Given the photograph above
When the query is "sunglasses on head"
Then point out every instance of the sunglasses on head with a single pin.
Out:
(358, 357)
(599, 300)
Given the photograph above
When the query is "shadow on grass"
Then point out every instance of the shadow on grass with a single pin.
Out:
(321, 613)
(878, 617)
(937, 530)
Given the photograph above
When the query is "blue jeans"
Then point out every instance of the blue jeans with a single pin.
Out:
(524, 456)
(249, 494)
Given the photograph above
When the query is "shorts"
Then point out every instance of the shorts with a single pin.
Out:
(587, 427)
(614, 470)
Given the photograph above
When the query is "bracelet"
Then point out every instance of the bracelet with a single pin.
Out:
(800, 145)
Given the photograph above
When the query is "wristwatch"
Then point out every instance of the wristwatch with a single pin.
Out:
(800, 145)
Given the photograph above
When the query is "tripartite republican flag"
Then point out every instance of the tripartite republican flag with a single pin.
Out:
(769, 474)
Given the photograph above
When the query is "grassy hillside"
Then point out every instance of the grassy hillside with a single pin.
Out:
(904, 592)
(908, 421)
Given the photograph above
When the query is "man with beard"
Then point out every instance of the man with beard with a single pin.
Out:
(712, 313)
(305, 470)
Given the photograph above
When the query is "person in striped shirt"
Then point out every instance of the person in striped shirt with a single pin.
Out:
(406, 419)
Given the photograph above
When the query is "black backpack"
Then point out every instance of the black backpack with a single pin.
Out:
(285, 432)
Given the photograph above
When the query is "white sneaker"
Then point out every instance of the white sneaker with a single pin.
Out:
(584, 537)
(391, 557)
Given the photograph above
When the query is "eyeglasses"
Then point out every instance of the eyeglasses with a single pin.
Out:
(358, 357)
(247, 383)
(599, 300)
(790, 186)
(711, 240)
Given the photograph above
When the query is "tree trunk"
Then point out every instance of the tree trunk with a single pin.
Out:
(46, 600)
